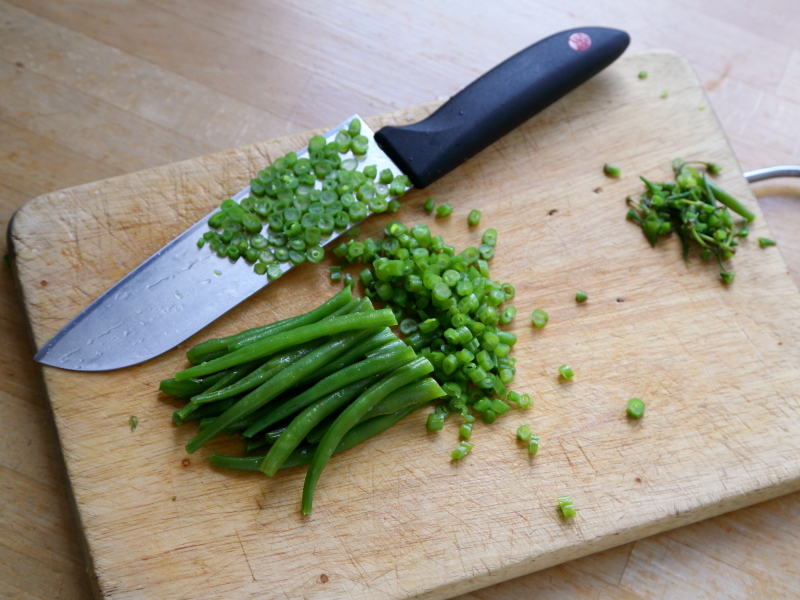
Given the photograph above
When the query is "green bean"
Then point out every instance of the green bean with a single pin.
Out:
(270, 368)
(611, 170)
(305, 422)
(280, 341)
(303, 454)
(352, 374)
(315, 435)
(725, 198)
(413, 393)
(384, 337)
(207, 410)
(280, 383)
(190, 387)
(390, 347)
(350, 416)
(203, 351)
(254, 445)
(342, 303)
(263, 373)
(231, 376)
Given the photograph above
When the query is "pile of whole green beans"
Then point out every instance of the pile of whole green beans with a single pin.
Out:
(450, 310)
(696, 209)
(303, 201)
(308, 386)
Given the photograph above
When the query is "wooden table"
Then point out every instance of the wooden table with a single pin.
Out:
(96, 89)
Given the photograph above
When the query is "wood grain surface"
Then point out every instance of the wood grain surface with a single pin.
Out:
(94, 91)
(719, 434)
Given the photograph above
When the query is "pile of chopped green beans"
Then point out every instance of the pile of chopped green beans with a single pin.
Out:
(450, 310)
(306, 387)
(696, 209)
(298, 203)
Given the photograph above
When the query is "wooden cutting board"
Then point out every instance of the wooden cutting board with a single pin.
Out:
(717, 366)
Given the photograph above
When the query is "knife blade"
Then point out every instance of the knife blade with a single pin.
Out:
(181, 289)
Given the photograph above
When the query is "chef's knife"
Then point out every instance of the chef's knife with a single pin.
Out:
(181, 289)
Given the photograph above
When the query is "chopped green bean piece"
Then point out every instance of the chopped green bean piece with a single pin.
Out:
(567, 507)
(315, 254)
(461, 450)
(385, 176)
(343, 140)
(435, 421)
(474, 217)
(499, 406)
(444, 210)
(359, 145)
(525, 401)
(508, 315)
(533, 444)
(408, 326)
(133, 422)
(581, 296)
(611, 170)
(642, 74)
(539, 318)
(764, 242)
(482, 404)
(635, 408)
(429, 204)
(566, 371)
(490, 237)
(465, 431)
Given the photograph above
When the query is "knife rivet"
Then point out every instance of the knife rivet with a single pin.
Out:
(579, 41)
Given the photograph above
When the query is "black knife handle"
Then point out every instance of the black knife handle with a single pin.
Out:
(499, 101)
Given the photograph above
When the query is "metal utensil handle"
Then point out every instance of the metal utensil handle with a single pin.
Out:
(772, 172)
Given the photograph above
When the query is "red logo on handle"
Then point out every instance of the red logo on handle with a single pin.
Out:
(579, 42)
